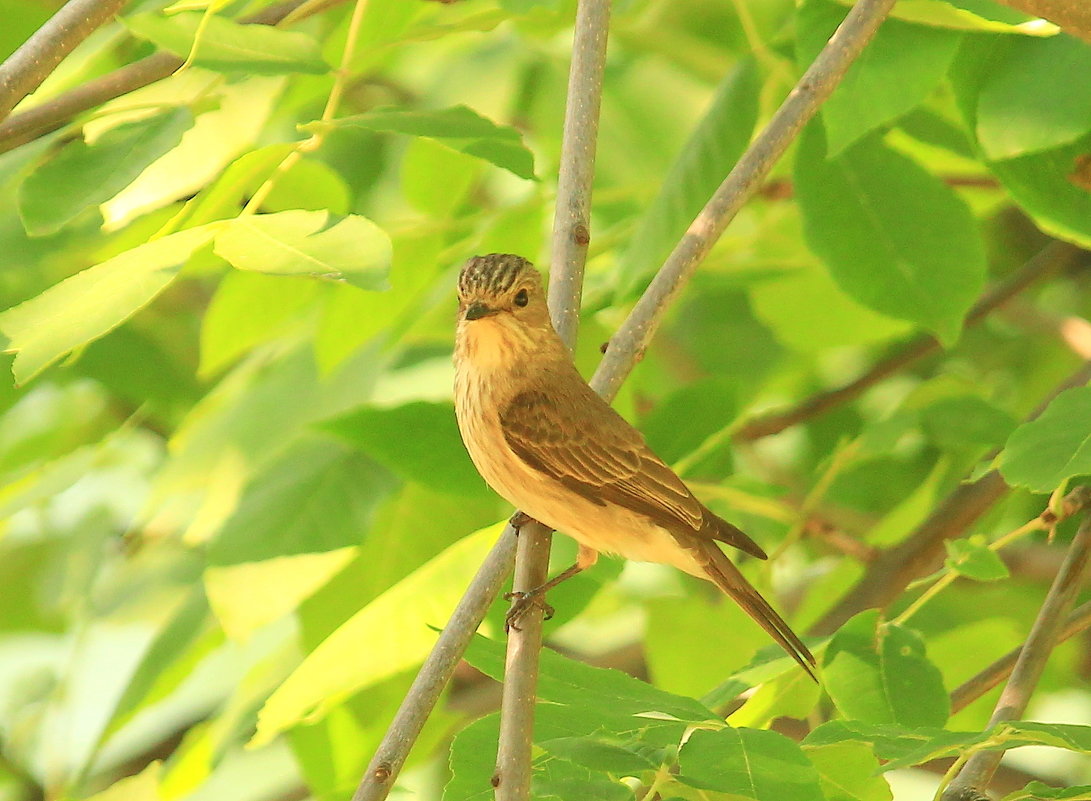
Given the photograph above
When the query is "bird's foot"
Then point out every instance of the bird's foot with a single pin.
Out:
(524, 602)
(519, 519)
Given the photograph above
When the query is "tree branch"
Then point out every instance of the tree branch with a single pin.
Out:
(978, 770)
(571, 235)
(917, 555)
(18, 129)
(1051, 259)
(979, 684)
(26, 68)
(817, 83)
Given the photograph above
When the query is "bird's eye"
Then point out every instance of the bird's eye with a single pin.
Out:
(522, 298)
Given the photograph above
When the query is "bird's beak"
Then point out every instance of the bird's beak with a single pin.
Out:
(477, 310)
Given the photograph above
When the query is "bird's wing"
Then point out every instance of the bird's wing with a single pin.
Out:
(589, 448)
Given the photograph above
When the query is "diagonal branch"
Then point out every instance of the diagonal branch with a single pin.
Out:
(890, 574)
(26, 68)
(817, 83)
(980, 683)
(571, 235)
(18, 129)
(1052, 259)
(978, 770)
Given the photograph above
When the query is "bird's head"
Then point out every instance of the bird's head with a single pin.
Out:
(501, 288)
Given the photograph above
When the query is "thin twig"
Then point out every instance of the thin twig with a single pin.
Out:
(18, 129)
(917, 555)
(25, 69)
(571, 235)
(1051, 259)
(978, 770)
(817, 83)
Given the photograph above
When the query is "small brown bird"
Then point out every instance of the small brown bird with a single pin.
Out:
(542, 438)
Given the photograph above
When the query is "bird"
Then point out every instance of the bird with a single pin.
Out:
(550, 445)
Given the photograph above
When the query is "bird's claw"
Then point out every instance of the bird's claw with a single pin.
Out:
(524, 602)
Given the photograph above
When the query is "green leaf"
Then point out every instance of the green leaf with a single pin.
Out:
(1044, 453)
(974, 559)
(704, 161)
(93, 302)
(387, 636)
(880, 674)
(227, 46)
(247, 310)
(1036, 791)
(1030, 103)
(1054, 187)
(249, 595)
(352, 249)
(1070, 736)
(970, 15)
(898, 69)
(893, 236)
(848, 772)
(318, 496)
(563, 780)
(898, 745)
(604, 753)
(675, 623)
(966, 421)
(750, 763)
(566, 681)
(458, 127)
(83, 175)
(809, 313)
(418, 441)
(188, 637)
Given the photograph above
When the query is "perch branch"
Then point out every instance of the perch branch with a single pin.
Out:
(916, 556)
(978, 770)
(571, 235)
(1051, 259)
(817, 83)
(26, 68)
(18, 129)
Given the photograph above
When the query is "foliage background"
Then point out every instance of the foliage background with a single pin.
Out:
(235, 503)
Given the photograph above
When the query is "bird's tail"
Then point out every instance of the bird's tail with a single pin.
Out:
(729, 579)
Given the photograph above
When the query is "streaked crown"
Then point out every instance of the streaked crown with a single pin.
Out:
(492, 275)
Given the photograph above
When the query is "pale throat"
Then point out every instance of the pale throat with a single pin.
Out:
(494, 343)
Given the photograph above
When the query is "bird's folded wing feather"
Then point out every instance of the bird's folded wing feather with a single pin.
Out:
(581, 442)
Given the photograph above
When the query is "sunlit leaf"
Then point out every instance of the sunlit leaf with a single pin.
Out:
(83, 175)
(458, 127)
(389, 635)
(351, 249)
(227, 46)
(93, 302)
